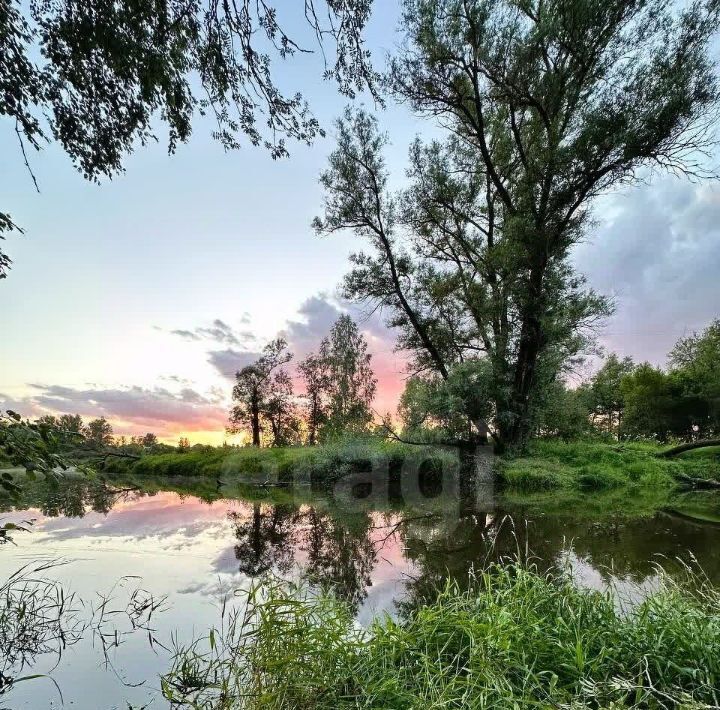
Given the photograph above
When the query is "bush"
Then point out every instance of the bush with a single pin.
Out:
(533, 475)
(598, 478)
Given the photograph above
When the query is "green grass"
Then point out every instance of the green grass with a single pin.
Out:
(514, 639)
(547, 466)
(323, 464)
(593, 466)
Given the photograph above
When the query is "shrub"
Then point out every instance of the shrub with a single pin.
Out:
(598, 478)
(533, 475)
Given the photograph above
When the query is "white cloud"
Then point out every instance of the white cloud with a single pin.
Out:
(657, 251)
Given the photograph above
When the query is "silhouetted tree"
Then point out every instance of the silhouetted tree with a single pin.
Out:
(280, 411)
(350, 381)
(71, 423)
(314, 375)
(99, 432)
(340, 557)
(605, 392)
(149, 440)
(265, 538)
(255, 387)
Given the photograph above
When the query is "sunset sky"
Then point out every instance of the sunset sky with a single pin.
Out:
(138, 298)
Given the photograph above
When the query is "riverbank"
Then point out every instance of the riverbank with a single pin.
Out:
(513, 638)
(323, 464)
(582, 466)
(190, 538)
(595, 466)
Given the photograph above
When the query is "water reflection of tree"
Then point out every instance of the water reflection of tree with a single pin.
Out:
(69, 497)
(340, 557)
(265, 538)
(616, 547)
(625, 548)
(339, 552)
(446, 548)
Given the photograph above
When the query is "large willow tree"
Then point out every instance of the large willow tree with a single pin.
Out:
(546, 105)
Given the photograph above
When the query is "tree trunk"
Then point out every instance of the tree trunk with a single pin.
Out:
(518, 432)
(467, 482)
(531, 343)
(483, 430)
(255, 423)
(313, 419)
(699, 483)
(688, 447)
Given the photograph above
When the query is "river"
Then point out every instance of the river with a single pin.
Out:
(151, 564)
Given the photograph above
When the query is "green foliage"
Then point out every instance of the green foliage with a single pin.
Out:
(562, 412)
(632, 401)
(695, 365)
(314, 375)
(658, 405)
(546, 106)
(321, 464)
(349, 379)
(433, 406)
(189, 463)
(35, 446)
(339, 389)
(97, 76)
(98, 433)
(606, 397)
(263, 394)
(549, 465)
(593, 465)
(529, 474)
(148, 440)
(593, 478)
(513, 638)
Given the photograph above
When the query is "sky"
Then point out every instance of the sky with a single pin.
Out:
(138, 298)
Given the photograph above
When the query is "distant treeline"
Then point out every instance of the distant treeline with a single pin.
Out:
(624, 399)
(640, 401)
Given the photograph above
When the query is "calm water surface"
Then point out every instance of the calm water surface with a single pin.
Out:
(187, 547)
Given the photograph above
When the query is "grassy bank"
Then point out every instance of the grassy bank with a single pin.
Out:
(594, 466)
(322, 464)
(582, 466)
(515, 638)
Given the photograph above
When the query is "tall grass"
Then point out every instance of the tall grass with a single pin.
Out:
(548, 465)
(514, 639)
(37, 618)
(597, 466)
